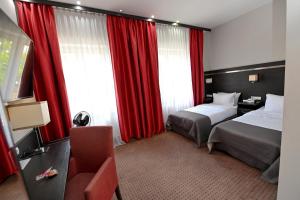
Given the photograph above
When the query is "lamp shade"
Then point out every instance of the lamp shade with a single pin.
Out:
(28, 115)
(253, 78)
(208, 80)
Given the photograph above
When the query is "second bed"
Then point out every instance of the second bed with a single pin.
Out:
(254, 138)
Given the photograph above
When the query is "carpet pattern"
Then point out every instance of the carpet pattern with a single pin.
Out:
(169, 166)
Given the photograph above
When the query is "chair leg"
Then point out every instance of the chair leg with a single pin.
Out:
(118, 193)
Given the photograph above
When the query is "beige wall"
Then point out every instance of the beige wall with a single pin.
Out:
(279, 29)
(256, 37)
(8, 7)
(207, 49)
(289, 178)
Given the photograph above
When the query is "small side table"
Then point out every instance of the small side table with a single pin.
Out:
(208, 100)
(244, 107)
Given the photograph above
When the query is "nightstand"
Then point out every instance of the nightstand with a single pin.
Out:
(244, 107)
(208, 100)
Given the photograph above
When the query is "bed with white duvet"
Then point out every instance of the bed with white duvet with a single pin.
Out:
(196, 122)
(254, 138)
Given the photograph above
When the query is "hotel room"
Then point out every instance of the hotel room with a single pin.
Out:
(149, 100)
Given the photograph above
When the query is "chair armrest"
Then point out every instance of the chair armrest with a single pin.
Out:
(73, 169)
(104, 183)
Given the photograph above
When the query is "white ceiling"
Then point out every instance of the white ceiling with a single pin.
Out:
(206, 13)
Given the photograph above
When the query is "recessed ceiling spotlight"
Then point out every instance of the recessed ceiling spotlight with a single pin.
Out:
(78, 7)
(149, 20)
(177, 21)
(174, 24)
(78, 2)
(152, 16)
(121, 10)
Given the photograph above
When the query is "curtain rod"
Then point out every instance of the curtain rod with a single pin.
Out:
(108, 12)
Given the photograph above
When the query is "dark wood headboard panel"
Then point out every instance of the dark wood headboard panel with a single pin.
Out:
(271, 80)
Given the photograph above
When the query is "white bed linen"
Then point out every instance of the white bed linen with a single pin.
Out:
(262, 118)
(215, 112)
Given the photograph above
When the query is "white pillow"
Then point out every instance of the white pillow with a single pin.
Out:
(274, 103)
(236, 97)
(223, 98)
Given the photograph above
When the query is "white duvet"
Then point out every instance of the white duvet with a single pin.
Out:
(262, 118)
(215, 112)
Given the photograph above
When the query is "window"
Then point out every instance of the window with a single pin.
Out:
(87, 66)
(175, 77)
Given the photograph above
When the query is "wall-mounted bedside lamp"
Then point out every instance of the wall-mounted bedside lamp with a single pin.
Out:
(23, 115)
(253, 78)
(208, 80)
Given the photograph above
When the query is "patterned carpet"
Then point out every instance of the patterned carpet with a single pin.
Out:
(169, 166)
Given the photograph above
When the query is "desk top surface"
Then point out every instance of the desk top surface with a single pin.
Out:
(57, 157)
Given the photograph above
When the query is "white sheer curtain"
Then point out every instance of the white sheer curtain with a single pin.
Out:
(87, 66)
(175, 77)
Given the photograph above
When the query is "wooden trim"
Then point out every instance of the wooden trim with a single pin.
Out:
(260, 66)
(108, 12)
(246, 70)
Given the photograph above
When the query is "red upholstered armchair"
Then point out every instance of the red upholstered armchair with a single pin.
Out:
(92, 170)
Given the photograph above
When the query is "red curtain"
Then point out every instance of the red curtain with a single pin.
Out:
(133, 47)
(196, 51)
(38, 22)
(7, 165)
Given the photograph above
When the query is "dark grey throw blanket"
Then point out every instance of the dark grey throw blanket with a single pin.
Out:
(193, 125)
(259, 147)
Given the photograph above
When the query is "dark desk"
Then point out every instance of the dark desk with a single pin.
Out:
(48, 189)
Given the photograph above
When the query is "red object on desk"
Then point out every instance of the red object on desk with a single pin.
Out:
(92, 170)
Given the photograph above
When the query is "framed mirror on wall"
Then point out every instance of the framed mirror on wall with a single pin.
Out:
(11, 180)
(16, 65)
(16, 73)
